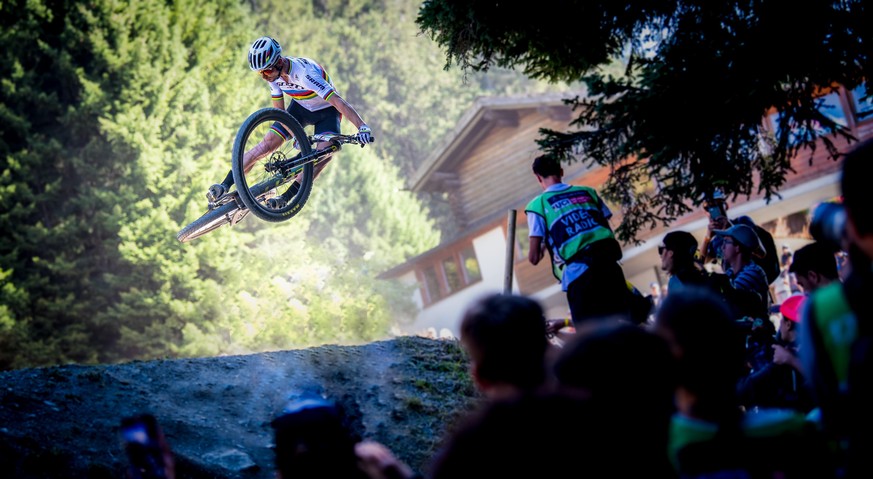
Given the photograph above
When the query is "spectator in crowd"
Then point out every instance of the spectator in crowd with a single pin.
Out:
(745, 290)
(766, 256)
(786, 283)
(678, 252)
(313, 439)
(814, 266)
(629, 370)
(836, 331)
(571, 223)
(749, 291)
(780, 383)
(505, 338)
(550, 434)
(711, 436)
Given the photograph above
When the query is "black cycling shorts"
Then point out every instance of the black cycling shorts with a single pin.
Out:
(326, 120)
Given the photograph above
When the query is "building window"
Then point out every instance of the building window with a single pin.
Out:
(470, 265)
(433, 292)
(829, 105)
(453, 274)
(457, 270)
(863, 105)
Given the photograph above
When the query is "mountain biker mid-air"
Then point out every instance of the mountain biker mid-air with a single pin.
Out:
(314, 101)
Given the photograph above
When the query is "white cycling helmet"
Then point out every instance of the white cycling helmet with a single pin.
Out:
(263, 53)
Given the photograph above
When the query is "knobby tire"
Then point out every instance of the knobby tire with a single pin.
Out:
(210, 221)
(252, 194)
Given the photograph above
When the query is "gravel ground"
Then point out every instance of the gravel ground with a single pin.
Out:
(63, 421)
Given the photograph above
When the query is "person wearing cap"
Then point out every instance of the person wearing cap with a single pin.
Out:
(786, 352)
(677, 253)
(767, 256)
(749, 292)
(572, 224)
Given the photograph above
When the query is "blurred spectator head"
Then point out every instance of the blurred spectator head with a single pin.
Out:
(514, 436)
(505, 337)
(680, 248)
(621, 364)
(313, 440)
(791, 307)
(709, 346)
(855, 190)
(814, 265)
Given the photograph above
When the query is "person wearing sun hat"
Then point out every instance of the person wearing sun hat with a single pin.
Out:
(749, 292)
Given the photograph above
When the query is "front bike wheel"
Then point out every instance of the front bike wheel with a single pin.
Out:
(210, 221)
(270, 176)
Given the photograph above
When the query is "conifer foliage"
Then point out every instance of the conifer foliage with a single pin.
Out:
(699, 78)
(116, 116)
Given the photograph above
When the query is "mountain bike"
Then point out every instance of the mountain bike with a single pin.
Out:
(293, 161)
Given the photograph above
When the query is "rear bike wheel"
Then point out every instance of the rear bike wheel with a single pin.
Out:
(228, 213)
(271, 173)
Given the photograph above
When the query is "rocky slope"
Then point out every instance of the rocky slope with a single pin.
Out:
(63, 421)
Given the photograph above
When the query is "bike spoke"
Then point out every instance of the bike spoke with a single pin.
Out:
(273, 183)
(266, 179)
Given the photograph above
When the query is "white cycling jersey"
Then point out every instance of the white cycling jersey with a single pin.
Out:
(309, 84)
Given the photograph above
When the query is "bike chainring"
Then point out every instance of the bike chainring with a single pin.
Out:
(275, 163)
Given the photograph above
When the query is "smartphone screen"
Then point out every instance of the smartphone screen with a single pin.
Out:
(714, 211)
(145, 456)
(136, 433)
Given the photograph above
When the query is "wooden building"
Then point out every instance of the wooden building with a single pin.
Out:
(484, 168)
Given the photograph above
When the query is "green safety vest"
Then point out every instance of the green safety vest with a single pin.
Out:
(574, 220)
(837, 326)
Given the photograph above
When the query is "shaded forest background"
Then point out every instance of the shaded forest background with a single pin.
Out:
(117, 115)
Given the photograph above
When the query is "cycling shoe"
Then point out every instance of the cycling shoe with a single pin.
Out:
(216, 192)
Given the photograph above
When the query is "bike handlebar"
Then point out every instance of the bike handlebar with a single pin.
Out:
(341, 139)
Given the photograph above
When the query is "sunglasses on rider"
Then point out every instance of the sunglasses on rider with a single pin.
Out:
(270, 68)
(661, 249)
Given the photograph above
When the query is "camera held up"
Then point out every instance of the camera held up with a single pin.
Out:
(715, 204)
(828, 225)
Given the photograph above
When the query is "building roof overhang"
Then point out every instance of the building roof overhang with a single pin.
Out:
(473, 126)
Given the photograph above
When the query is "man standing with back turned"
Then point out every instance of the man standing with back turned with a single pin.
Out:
(572, 224)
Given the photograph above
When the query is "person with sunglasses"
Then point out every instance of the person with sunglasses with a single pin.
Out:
(313, 101)
(740, 244)
(678, 255)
